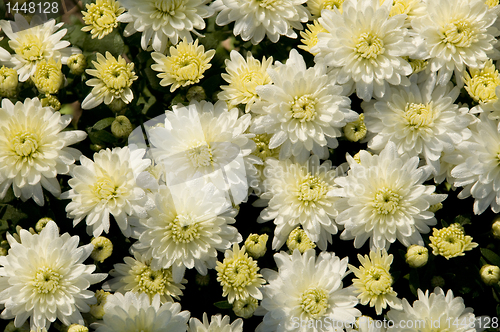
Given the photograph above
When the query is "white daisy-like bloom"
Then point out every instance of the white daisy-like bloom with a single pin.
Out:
(422, 120)
(136, 275)
(135, 312)
(33, 42)
(297, 194)
(306, 288)
(365, 46)
(383, 199)
(108, 185)
(255, 19)
(43, 278)
(216, 324)
(303, 109)
(186, 229)
(457, 34)
(34, 149)
(161, 21)
(478, 171)
(431, 312)
(206, 140)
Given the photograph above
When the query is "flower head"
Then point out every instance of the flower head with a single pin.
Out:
(490, 274)
(416, 256)
(103, 248)
(306, 287)
(107, 185)
(184, 66)
(255, 245)
(161, 21)
(373, 281)
(356, 130)
(244, 76)
(481, 83)
(246, 307)
(77, 328)
(136, 312)
(34, 148)
(299, 240)
(310, 36)
(48, 77)
(113, 79)
(450, 241)
(77, 64)
(101, 17)
(217, 323)
(53, 284)
(8, 82)
(317, 6)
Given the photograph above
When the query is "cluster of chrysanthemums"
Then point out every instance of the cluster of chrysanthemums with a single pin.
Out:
(270, 134)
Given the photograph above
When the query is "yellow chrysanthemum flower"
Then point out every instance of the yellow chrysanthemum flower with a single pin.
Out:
(356, 130)
(48, 77)
(100, 17)
(316, 6)
(491, 3)
(450, 241)
(51, 101)
(310, 36)
(481, 83)
(245, 307)
(184, 66)
(103, 248)
(114, 77)
(8, 82)
(298, 239)
(416, 256)
(256, 245)
(373, 281)
(238, 275)
(97, 310)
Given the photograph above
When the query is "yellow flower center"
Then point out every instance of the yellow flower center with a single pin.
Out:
(104, 188)
(239, 272)
(419, 115)
(152, 282)
(369, 46)
(314, 301)
(200, 155)
(304, 108)
(117, 77)
(46, 281)
(25, 144)
(377, 281)
(186, 67)
(298, 239)
(312, 189)
(330, 4)
(166, 8)
(458, 33)
(269, 4)
(31, 48)
(386, 201)
(183, 230)
(492, 3)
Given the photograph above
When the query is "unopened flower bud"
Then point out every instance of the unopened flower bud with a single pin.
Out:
(77, 328)
(103, 248)
(490, 274)
(51, 101)
(41, 224)
(495, 229)
(416, 256)
(77, 64)
(121, 127)
(196, 93)
(298, 239)
(8, 82)
(256, 245)
(246, 307)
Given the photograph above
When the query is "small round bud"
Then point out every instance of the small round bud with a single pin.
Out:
(97, 310)
(103, 248)
(40, 224)
(77, 64)
(490, 274)
(121, 127)
(246, 307)
(355, 131)
(8, 82)
(437, 281)
(298, 239)
(117, 105)
(196, 93)
(3, 251)
(51, 101)
(416, 256)
(256, 245)
(77, 328)
(495, 228)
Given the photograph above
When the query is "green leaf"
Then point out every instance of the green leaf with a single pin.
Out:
(491, 256)
(462, 220)
(112, 43)
(3, 225)
(223, 305)
(12, 214)
(104, 123)
(9, 196)
(444, 223)
(102, 137)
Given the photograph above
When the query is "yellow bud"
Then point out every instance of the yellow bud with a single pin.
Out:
(121, 126)
(495, 229)
(416, 256)
(490, 274)
(77, 64)
(41, 224)
(256, 245)
(48, 77)
(103, 248)
(97, 310)
(298, 239)
(355, 131)
(51, 101)
(245, 307)
(8, 82)
(77, 328)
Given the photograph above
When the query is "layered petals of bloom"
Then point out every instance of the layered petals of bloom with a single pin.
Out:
(306, 288)
(364, 45)
(217, 323)
(302, 109)
(108, 185)
(43, 277)
(34, 149)
(383, 199)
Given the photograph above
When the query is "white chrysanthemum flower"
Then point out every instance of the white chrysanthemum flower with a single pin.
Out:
(206, 140)
(457, 34)
(365, 45)
(33, 42)
(107, 185)
(135, 312)
(422, 120)
(306, 288)
(217, 324)
(136, 275)
(479, 168)
(431, 311)
(297, 194)
(34, 148)
(383, 199)
(302, 109)
(161, 21)
(244, 76)
(44, 278)
(254, 19)
(185, 230)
